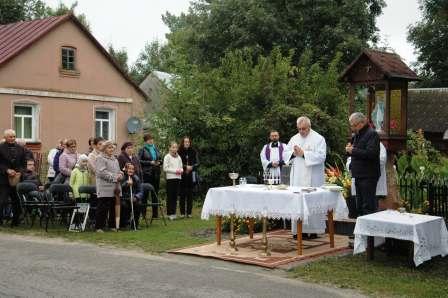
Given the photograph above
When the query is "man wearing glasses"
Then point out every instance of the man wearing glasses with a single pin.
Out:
(306, 153)
(365, 163)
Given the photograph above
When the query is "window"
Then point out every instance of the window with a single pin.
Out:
(68, 58)
(104, 124)
(25, 122)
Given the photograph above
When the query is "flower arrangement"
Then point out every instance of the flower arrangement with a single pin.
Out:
(334, 175)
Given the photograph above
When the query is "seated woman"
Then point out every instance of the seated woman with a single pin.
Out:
(130, 181)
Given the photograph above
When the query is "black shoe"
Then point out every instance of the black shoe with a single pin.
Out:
(294, 237)
(312, 236)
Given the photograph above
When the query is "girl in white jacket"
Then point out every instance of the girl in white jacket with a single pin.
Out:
(172, 165)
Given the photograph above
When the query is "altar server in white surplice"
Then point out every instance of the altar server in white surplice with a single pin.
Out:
(306, 153)
(271, 155)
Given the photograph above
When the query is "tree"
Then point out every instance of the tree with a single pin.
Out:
(120, 56)
(213, 27)
(228, 110)
(155, 56)
(12, 11)
(62, 9)
(430, 37)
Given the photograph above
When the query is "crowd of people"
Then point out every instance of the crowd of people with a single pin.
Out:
(118, 177)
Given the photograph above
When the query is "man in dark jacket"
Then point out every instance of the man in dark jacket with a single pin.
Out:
(12, 163)
(365, 163)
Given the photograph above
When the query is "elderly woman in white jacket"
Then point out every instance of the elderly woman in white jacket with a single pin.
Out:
(381, 187)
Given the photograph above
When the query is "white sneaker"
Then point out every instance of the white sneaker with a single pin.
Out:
(182, 216)
(172, 217)
(99, 231)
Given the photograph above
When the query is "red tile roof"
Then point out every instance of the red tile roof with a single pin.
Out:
(16, 37)
(389, 63)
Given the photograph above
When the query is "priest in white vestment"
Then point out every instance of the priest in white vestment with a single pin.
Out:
(306, 153)
(271, 155)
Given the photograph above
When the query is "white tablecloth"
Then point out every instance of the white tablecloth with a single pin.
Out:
(253, 200)
(428, 233)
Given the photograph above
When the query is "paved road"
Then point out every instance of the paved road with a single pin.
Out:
(36, 267)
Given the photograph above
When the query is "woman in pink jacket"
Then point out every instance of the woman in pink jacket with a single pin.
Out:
(68, 159)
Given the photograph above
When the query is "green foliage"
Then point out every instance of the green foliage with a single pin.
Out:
(155, 56)
(213, 27)
(12, 11)
(120, 56)
(421, 158)
(229, 110)
(430, 37)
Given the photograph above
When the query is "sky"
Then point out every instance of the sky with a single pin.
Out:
(130, 24)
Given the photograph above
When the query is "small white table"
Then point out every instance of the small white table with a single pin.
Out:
(428, 233)
(256, 201)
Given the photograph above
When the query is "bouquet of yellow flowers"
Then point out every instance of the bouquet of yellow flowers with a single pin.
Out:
(333, 175)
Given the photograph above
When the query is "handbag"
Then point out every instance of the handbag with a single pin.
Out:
(14, 180)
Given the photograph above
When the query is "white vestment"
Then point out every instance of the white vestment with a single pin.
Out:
(381, 187)
(308, 170)
(274, 156)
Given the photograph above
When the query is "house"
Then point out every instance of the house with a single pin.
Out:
(153, 86)
(428, 110)
(57, 81)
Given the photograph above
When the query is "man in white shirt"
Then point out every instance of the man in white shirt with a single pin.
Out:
(271, 155)
(306, 153)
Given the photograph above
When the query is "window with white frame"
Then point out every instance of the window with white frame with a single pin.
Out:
(105, 124)
(25, 121)
(68, 58)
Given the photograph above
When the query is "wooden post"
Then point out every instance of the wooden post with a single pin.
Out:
(370, 247)
(251, 228)
(218, 229)
(299, 237)
(331, 227)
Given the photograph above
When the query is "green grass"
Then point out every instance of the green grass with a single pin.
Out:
(385, 276)
(154, 239)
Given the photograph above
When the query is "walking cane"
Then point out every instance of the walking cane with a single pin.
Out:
(117, 205)
(132, 221)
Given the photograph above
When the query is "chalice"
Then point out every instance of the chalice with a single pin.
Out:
(233, 176)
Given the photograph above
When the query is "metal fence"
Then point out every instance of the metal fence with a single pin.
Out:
(425, 195)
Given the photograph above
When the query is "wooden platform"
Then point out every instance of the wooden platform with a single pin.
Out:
(282, 247)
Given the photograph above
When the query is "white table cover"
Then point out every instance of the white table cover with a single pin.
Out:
(254, 200)
(429, 233)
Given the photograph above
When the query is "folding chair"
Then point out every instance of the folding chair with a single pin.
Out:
(60, 203)
(148, 191)
(90, 191)
(32, 202)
